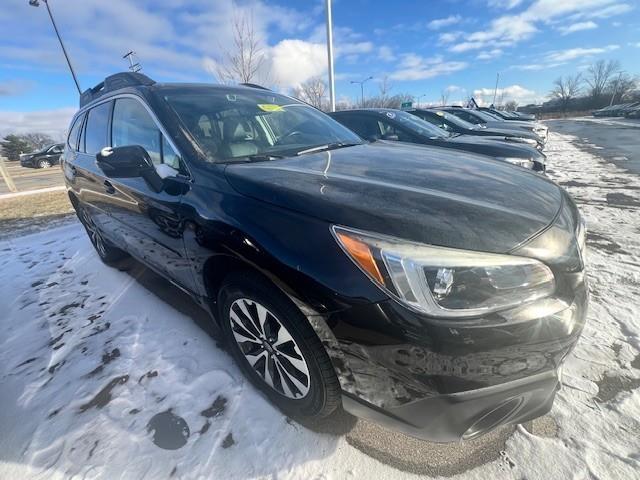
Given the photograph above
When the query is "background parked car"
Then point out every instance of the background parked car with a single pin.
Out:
(45, 158)
(510, 116)
(389, 124)
(454, 124)
(491, 121)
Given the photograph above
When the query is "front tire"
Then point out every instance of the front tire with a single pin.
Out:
(107, 251)
(276, 348)
(44, 164)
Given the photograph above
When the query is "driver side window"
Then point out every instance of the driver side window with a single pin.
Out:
(132, 125)
(390, 129)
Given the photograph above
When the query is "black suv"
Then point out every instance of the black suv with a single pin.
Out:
(432, 290)
(396, 125)
(43, 158)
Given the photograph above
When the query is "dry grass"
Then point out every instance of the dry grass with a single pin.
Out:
(33, 212)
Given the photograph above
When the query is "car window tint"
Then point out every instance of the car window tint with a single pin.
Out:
(74, 133)
(390, 129)
(96, 129)
(366, 127)
(132, 125)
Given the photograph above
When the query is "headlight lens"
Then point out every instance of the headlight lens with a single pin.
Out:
(446, 282)
(521, 162)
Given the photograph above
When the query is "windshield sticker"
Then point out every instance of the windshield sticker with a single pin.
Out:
(231, 97)
(269, 107)
(391, 115)
(440, 113)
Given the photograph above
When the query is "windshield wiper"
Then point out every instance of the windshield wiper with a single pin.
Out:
(260, 157)
(329, 146)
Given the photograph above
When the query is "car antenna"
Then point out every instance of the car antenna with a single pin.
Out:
(134, 65)
(36, 3)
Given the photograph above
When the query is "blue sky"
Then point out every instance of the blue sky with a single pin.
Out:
(422, 48)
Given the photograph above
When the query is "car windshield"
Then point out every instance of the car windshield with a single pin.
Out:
(456, 120)
(255, 124)
(417, 125)
(488, 117)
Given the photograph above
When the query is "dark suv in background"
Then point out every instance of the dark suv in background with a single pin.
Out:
(43, 158)
(432, 290)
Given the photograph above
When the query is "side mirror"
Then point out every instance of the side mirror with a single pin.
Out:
(391, 138)
(129, 162)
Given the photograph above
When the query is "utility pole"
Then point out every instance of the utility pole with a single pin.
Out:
(36, 3)
(133, 66)
(362, 82)
(495, 90)
(332, 86)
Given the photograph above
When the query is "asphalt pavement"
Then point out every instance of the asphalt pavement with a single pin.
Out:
(26, 179)
(616, 139)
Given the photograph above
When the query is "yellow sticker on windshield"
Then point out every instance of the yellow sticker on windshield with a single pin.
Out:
(440, 113)
(269, 107)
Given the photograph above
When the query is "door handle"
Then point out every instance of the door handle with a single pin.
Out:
(109, 188)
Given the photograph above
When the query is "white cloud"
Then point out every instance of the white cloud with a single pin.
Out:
(415, 67)
(510, 29)
(295, 61)
(444, 22)
(489, 54)
(514, 92)
(51, 122)
(637, 44)
(573, 53)
(353, 48)
(578, 27)
(385, 53)
(506, 4)
(449, 37)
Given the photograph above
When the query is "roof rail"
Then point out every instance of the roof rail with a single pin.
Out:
(253, 85)
(114, 82)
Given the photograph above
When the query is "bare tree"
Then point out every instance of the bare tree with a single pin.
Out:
(622, 87)
(245, 60)
(566, 89)
(511, 106)
(312, 91)
(598, 76)
(393, 101)
(384, 86)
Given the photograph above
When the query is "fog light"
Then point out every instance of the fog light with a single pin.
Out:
(494, 418)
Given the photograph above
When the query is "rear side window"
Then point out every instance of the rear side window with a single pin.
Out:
(132, 125)
(97, 127)
(74, 133)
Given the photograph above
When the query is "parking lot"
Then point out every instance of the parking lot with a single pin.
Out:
(26, 179)
(113, 351)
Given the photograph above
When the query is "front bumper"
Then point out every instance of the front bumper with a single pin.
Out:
(465, 415)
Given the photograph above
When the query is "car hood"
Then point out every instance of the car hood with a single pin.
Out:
(507, 132)
(496, 147)
(511, 125)
(432, 195)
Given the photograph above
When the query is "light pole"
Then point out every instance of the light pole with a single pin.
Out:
(418, 99)
(332, 86)
(36, 3)
(495, 90)
(362, 82)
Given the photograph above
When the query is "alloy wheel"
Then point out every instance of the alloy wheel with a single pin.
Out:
(45, 163)
(269, 348)
(94, 234)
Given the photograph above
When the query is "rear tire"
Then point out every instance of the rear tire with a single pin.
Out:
(107, 251)
(276, 348)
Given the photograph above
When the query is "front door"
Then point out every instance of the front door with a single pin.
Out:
(151, 222)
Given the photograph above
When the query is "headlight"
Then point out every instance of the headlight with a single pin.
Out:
(521, 162)
(446, 282)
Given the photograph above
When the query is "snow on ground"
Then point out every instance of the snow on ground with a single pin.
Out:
(89, 357)
(611, 121)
